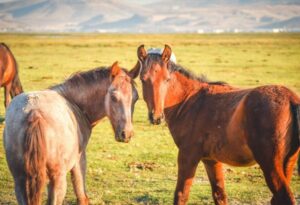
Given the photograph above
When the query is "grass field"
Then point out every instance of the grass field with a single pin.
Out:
(144, 171)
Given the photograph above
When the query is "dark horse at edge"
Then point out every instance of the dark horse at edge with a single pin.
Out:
(215, 123)
(9, 77)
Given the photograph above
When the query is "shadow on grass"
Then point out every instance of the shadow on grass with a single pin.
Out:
(146, 199)
(2, 119)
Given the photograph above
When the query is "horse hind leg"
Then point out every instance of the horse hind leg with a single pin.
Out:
(290, 162)
(20, 190)
(57, 189)
(271, 162)
(78, 180)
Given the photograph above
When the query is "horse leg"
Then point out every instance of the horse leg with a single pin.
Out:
(279, 186)
(20, 189)
(187, 166)
(7, 89)
(78, 180)
(272, 167)
(299, 165)
(289, 166)
(57, 189)
(216, 179)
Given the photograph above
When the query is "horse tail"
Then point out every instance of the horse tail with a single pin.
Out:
(296, 111)
(35, 158)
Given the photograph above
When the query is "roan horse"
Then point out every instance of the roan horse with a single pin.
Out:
(9, 78)
(47, 132)
(216, 123)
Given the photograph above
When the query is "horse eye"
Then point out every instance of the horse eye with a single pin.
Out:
(113, 98)
(168, 79)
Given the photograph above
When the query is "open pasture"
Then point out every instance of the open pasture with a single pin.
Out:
(144, 171)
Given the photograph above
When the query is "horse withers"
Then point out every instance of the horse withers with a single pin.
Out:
(215, 123)
(9, 77)
(46, 132)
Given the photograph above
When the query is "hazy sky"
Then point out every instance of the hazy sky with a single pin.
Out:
(134, 1)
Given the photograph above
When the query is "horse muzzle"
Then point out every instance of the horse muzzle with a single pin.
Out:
(156, 120)
(124, 136)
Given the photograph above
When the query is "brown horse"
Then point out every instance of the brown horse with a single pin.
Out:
(216, 123)
(46, 132)
(9, 78)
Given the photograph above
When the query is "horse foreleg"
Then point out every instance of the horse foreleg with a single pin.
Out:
(78, 180)
(186, 171)
(57, 189)
(7, 90)
(216, 179)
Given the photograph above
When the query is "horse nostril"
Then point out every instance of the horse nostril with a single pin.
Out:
(158, 121)
(123, 134)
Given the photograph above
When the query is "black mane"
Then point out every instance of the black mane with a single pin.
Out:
(85, 83)
(172, 67)
(86, 78)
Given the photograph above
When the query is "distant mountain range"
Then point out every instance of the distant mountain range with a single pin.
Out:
(161, 16)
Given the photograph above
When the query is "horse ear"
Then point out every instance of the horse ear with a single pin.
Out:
(115, 69)
(141, 53)
(166, 55)
(135, 71)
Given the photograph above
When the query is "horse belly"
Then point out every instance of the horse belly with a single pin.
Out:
(236, 155)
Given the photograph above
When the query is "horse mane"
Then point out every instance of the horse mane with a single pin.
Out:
(78, 80)
(4, 45)
(82, 84)
(172, 67)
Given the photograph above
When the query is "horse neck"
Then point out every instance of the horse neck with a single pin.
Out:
(181, 89)
(89, 99)
(16, 86)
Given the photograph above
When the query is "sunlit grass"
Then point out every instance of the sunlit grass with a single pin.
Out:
(145, 170)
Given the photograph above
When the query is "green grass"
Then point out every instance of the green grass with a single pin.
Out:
(144, 171)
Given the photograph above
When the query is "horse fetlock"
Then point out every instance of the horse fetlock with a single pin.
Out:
(220, 197)
(83, 201)
(180, 198)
